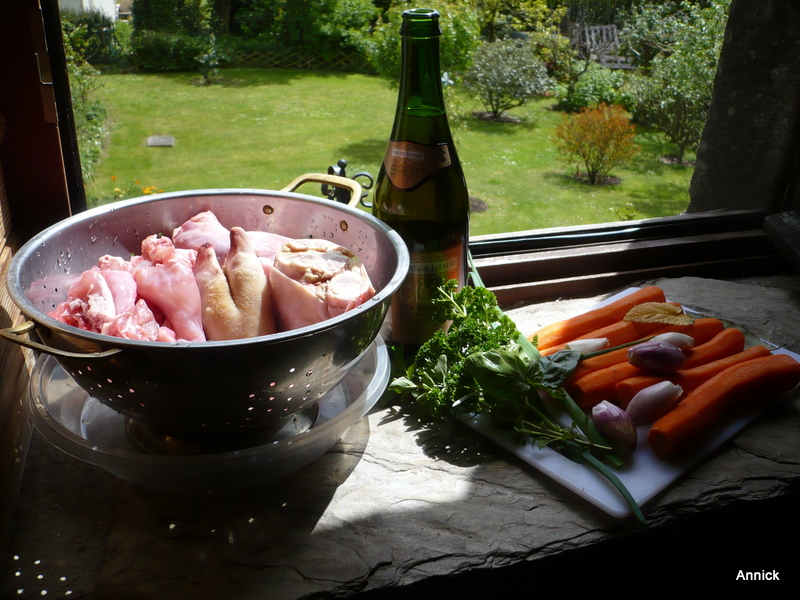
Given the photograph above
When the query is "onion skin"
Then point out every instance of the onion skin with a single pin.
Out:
(656, 357)
(616, 426)
(653, 402)
(681, 340)
(587, 345)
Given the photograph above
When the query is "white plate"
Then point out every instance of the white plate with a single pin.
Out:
(645, 475)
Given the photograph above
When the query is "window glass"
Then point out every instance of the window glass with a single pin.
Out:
(250, 93)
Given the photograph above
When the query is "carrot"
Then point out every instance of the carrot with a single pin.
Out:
(575, 327)
(620, 332)
(600, 385)
(702, 330)
(688, 379)
(752, 383)
(726, 342)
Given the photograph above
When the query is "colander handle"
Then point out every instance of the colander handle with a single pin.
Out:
(14, 335)
(345, 182)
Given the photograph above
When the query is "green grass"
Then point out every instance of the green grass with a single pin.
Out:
(261, 128)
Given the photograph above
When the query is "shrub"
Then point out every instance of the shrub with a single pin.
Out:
(324, 25)
(88, 111)
(601, 137)
(506, 74)
(157, 51)
(89, 35)
(188, 17)
(593, 86)
(674, 94)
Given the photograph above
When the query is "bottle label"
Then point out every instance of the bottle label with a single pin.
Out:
(408, 164)
(412, 305)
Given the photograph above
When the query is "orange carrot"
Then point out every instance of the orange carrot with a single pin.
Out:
(600, 385)
(752, 382)
(688, 379)
(595, 363)
(620, 332)
(726, 342)
(702, 330)
(575, 327)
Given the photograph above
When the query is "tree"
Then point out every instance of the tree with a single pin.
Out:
(674, 93)
(499, 18)
(506, 74)
(601, 137)
(460, 37)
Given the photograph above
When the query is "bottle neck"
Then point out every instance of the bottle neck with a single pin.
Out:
(420, 80)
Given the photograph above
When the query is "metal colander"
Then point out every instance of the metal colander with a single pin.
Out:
(204, 387)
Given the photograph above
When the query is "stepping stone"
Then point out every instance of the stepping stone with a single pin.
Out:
(167, 141)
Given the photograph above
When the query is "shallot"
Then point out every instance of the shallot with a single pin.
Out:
(616, 426)
(681, 340)
(656, 357)
(653, 402)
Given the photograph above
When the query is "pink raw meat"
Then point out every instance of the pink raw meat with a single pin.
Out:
(205, 228)
(139, 323)
(89, 304)
(313, 280)
(170, 287)
(159, 249)
(96, 298)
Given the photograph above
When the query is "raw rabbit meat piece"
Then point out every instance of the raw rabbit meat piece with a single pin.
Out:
(170, 287)
(205, 228)
(313, 280)
(139, 323)
(96, 298)
(159, 249)
(89, 304)
(235, 299)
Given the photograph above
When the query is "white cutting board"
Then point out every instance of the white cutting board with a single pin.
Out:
(645, 475)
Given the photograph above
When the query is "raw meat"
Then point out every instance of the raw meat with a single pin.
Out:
(205, 228)
(139, 323)
(216, 284)
(235, 300)
(89, 304)
(313, 280)
(170, 286)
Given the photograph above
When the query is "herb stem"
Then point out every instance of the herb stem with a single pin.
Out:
(612, 348)
(606, 472)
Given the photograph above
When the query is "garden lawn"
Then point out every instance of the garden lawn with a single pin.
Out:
(261, 128)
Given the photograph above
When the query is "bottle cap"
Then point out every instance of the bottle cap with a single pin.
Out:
(420, 23)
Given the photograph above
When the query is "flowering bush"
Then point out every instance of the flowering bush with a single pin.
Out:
(601, 137)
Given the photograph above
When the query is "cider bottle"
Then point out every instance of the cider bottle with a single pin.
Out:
(421, 192)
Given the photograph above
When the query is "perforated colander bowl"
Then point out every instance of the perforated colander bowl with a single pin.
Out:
(204, 387)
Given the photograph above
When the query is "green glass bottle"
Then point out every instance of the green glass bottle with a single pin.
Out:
(421, 191)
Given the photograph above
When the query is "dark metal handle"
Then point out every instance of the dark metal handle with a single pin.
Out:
(14, 335)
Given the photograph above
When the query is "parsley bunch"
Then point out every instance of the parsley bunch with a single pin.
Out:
(436, 380)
